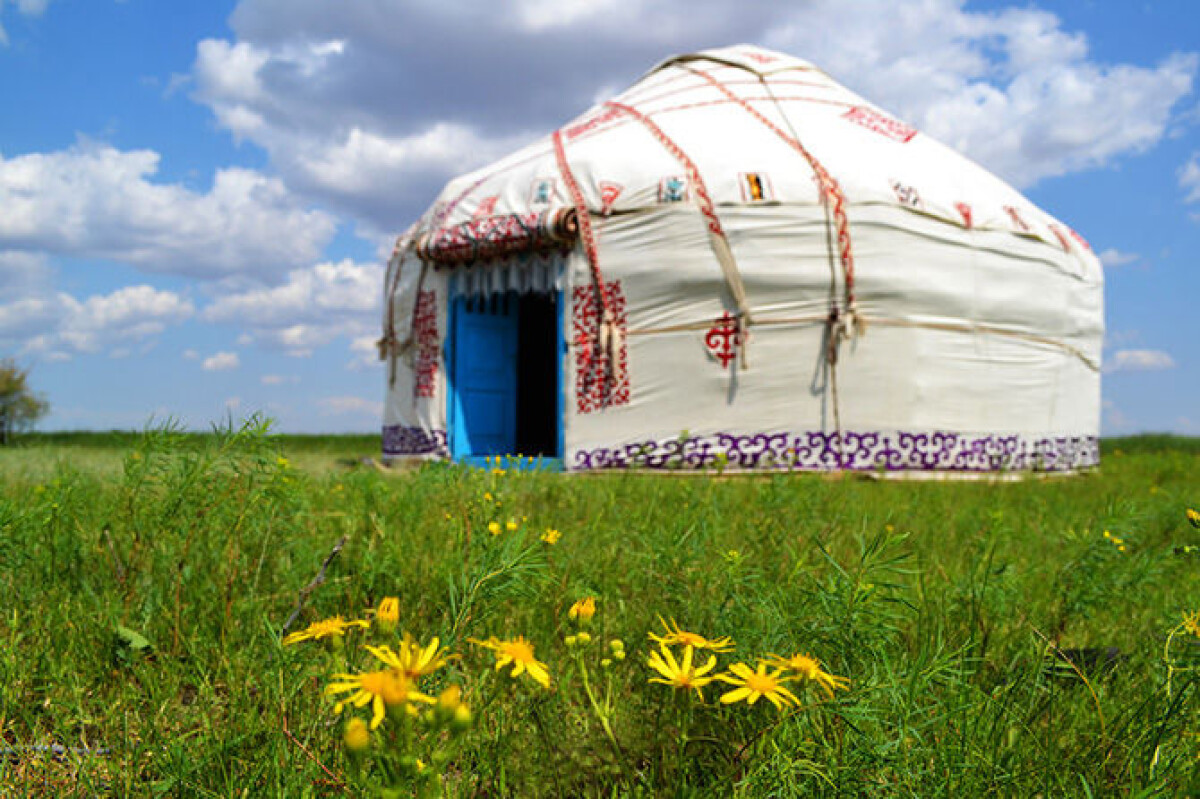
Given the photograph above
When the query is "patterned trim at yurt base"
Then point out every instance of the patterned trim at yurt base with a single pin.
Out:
(401, 440)
(865, 452)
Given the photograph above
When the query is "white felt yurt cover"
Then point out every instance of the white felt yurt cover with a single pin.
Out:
(759, 269)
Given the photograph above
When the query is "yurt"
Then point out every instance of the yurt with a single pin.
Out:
(740, 265)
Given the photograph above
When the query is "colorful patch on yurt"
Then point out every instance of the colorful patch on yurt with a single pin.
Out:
(673, 189)
(880, 123)
(425, 333)
(756, 187)
(908, 196)
(601, 378)
(543, 191)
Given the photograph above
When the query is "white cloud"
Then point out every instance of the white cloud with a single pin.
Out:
(57, 325)
(1139, 361)
(1113, 258)
(220, 362)
(312, 308)
(31, 8)
(1189, 179)
(95, 201)
(366, 353)
(232, 404)
(23, 271)
(1010, 89)
(544, 15)
(347, 405)
(191, 355)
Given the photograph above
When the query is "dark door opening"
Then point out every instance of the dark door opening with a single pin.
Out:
(537, 375)
(504, 356)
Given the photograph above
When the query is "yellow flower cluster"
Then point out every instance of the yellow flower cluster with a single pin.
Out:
(767, 679)
(1119, 543)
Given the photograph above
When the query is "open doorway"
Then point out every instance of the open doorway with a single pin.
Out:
(504, 355)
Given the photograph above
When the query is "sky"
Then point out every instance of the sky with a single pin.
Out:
(197, 198)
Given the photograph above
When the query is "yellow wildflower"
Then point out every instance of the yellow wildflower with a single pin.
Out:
(388, 615)
(551, 536)
(674, 635)
(583, 610)
(1193, 516)
(413, 660)
(1191, 622)
(754, 684)
(510, 525)
(494, 528)
(326, 628)
(810, 669)
(519, 653)
(379, 689)
(681, 674)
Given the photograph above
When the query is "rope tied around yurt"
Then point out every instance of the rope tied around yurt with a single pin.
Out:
(389, 344)
(608, 334)
(716, 231)
(831, 190)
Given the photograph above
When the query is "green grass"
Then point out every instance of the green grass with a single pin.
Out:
(942, 603)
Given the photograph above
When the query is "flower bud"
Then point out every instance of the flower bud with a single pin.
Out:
(356, 735)
(388, 615)
(583, 610)
(462, 718)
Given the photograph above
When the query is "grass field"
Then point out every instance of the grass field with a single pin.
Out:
(1010, 639)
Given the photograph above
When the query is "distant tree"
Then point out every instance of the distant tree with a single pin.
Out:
(19, 406)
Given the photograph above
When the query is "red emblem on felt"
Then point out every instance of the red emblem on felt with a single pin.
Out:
(609, 192)
(1017, 220)
(1082, 241)
(487, 207)
(723, 339)
(965, 210)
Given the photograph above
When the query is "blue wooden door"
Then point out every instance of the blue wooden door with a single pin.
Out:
(483, 396)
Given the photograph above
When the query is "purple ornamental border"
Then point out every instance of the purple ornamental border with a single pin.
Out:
(401, 440)
(868, 452)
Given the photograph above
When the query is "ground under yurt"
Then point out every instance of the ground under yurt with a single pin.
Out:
(739, 264)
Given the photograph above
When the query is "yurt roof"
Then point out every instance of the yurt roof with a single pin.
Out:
(736, 111)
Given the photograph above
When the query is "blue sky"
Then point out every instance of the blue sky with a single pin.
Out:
(196, 198)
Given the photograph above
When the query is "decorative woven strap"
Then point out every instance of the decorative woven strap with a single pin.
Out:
(584, 219)
(716, 233)
(607, 334)
(830, 189)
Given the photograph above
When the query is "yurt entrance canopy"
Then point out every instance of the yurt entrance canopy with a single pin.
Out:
(739, 263)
